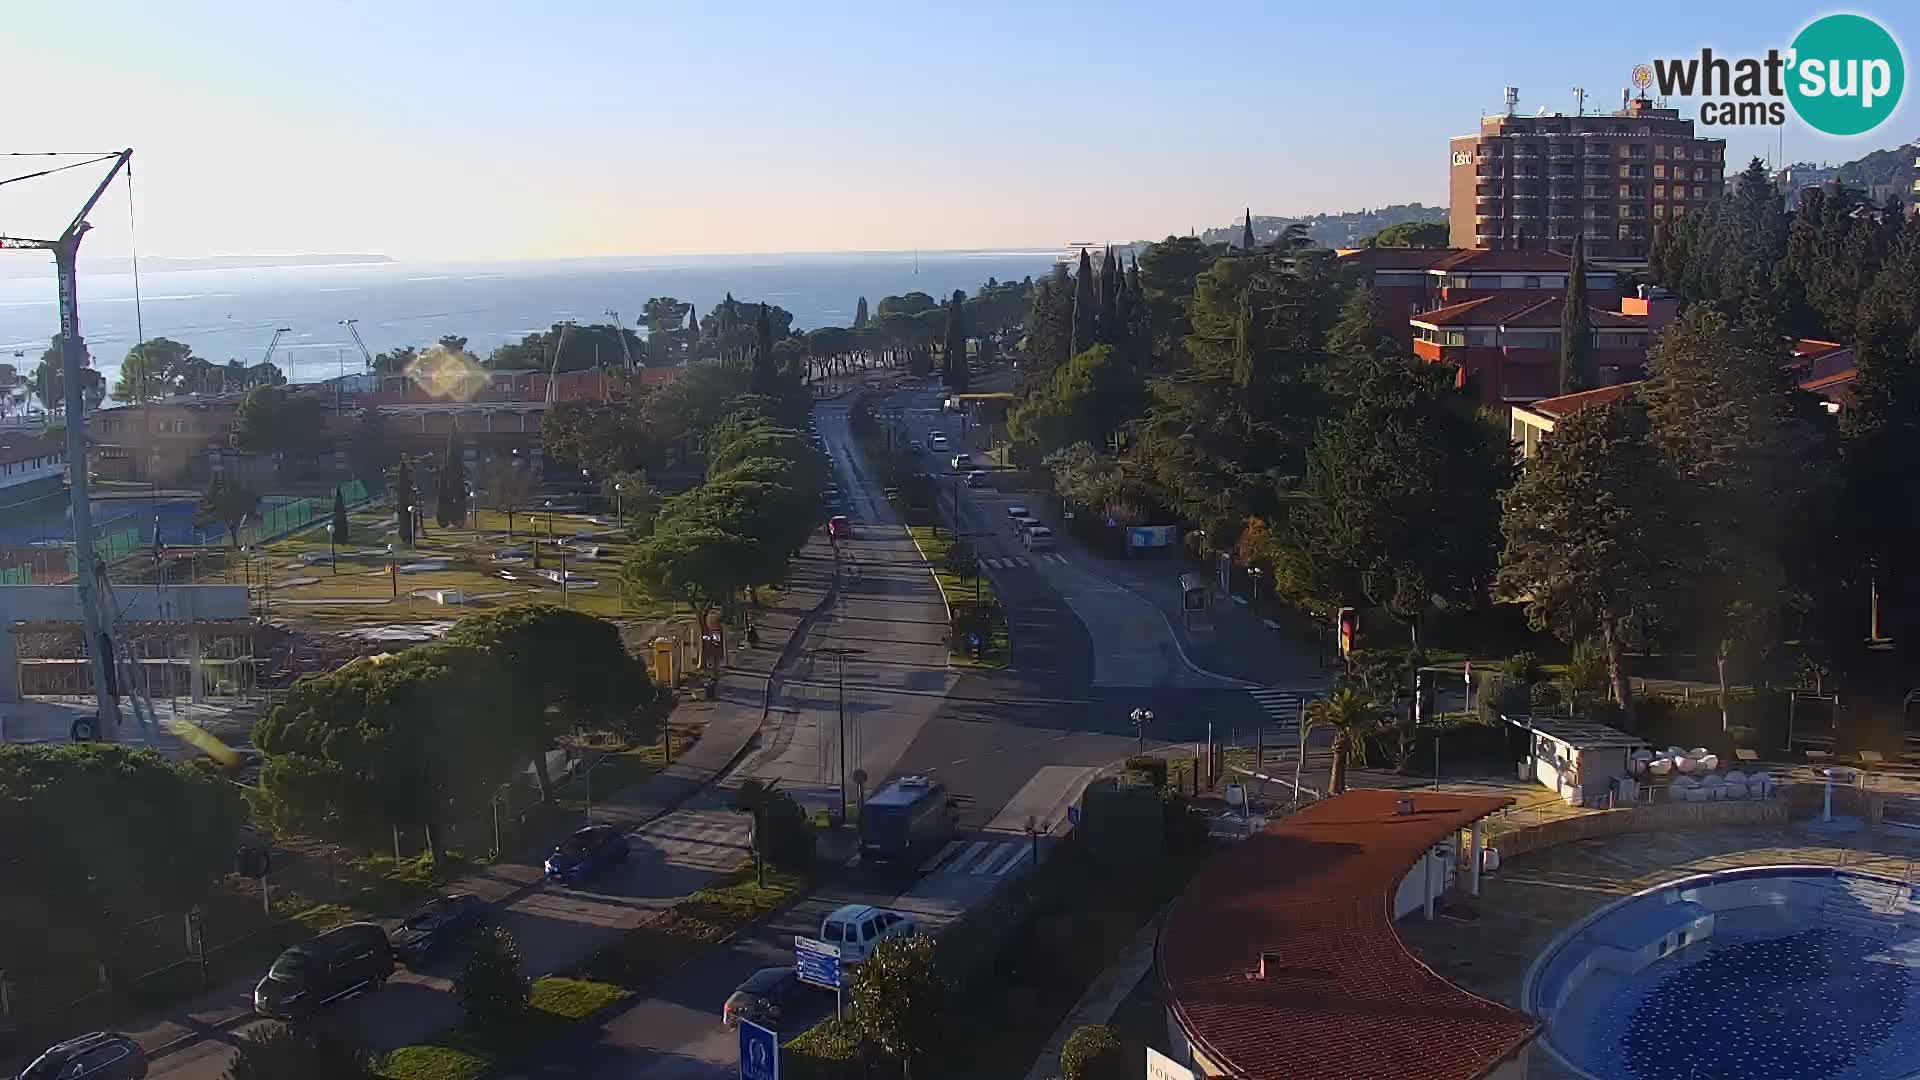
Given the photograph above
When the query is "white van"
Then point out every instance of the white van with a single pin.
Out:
(857, 928)
(1039, 538)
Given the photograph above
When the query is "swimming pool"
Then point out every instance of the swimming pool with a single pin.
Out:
(1795, 972)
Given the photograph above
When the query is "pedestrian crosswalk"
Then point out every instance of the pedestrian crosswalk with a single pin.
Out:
(1282, 705)
(978, 858)
(1008, 562)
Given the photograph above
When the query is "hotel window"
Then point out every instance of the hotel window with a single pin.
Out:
(1623, 191)
(1659, 210)
(1659, 150)
(1699, 192)
(1625, 171)
(1680, 153)
(1455, 337)
(1531, 282)
(1660, 191)
(1659, 172)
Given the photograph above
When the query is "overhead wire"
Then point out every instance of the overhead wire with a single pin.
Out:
(57, 168)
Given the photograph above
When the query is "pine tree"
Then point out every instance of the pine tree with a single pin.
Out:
(340, 530)
(450, 508)
(860, 314)
(1576, 327)
(1246, 232)
(1085, 308)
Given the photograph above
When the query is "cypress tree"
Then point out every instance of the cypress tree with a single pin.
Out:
(1084, 307)
(339, 517)
(450, 508)
(404, 500)
(860, 314)
(1576, 327)
(1246, 232)
(764, 373)
(1109, 329)
(955, 368)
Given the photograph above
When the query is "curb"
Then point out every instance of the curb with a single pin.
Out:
(1173, 632)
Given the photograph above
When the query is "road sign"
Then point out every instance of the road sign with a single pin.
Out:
(816, 963)
(759, 1052)
(1162, 1067)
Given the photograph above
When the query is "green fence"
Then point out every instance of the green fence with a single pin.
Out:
(108, 548)
(17, 575)
(299, 514)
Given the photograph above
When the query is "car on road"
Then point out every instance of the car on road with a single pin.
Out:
(1016, 513)
(857, 928)
(586, 851)
(102, 1055)
(342, 961)
(1039, 538)
(976, 477)
(764, 998)
(1026, 523)
(937, 442)
(962, 462)
(439, 923)
(839, 527)
(916, 446)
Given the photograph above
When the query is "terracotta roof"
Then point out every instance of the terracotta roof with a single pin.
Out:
(1813, 348)
(1837, 382)
(1567, 404)
(1347, 999)
(1469, 260)
(1529, 309)
(1397, 258)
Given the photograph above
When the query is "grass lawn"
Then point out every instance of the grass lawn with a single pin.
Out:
(464, 1053)
(934, 546)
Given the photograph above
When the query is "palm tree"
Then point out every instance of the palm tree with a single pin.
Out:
(1351, 717)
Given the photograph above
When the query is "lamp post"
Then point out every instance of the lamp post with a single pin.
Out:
(1141, 718)
(549, 506)
(333, 559)
(393, 572)
(841, 653)
(619, 514)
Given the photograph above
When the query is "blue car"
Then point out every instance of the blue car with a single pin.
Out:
(585, 851)
(441, 922)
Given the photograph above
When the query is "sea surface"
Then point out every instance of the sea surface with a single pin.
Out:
(232, 313)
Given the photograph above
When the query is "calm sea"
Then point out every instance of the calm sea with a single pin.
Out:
(232, 314)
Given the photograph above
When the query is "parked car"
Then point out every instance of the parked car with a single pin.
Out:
(857, 928)
(586, 851)
(102, 1055)
(764, 998)
(439, 923)
(342, 961)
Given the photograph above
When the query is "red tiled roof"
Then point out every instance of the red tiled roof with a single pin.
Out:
(1348, 1000)
(1389, 258)
(1470, 260)
(1827, 385)
(1813, 348)
(1522, 309)
(660, 376)
(1567, 404)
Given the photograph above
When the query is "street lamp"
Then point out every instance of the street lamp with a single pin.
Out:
(549, 506)
(393, 572)
(1141, 718)
(841, 653)
(619, 514)
(333, 559)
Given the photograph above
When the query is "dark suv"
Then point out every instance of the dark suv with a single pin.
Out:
(103, 1055)
(339, 962)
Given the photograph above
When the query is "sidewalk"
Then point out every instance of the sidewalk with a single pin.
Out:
(1098, 1004)
(729, 724)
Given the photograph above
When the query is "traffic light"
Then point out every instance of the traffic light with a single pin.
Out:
(1349, 624)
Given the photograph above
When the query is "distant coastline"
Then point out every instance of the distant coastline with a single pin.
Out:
(16, 268)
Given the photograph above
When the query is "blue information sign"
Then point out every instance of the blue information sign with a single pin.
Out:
(816, 962)
(759, 1052)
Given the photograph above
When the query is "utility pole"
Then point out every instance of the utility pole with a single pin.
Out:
(89, 571)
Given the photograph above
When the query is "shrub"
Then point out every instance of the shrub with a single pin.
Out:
(961, 561)
(1093, 1052)
(1587, 668)
(1153, 769)
(1499, 694)
(782, 832)
(1545, 695)
(492, 988)
(271, 1052)
(1522, 667)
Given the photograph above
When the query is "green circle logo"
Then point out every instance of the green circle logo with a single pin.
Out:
(1847, 74)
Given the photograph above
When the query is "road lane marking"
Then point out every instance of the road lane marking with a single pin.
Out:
(952, 846)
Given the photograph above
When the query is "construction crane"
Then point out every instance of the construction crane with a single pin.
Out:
(274, 344)
(621, 331)
(348, 323)
(90, 571)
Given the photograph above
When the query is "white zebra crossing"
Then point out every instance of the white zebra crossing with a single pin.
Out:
(1008, 562)
(978, 858)
(1282, 705)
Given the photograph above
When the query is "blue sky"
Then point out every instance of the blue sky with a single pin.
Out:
(507, 130)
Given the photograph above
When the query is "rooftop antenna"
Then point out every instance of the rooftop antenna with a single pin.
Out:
(1579, 101)
(90, 572)
(1513, 99)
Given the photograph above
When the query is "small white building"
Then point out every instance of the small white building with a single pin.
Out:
(1586, 763)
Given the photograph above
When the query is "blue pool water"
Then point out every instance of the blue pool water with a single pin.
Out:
(1790, 973)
